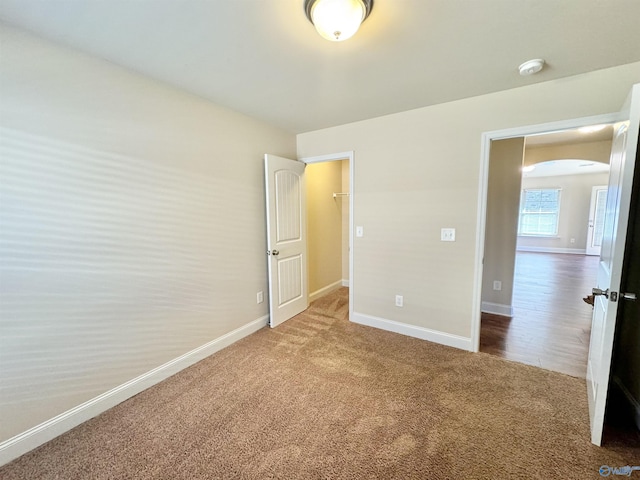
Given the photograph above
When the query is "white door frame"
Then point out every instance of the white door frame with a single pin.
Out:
(487, 137)
(351, 157)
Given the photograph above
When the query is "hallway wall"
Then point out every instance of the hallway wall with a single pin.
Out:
(324, 226)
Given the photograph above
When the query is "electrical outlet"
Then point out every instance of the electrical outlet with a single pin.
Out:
(448, 234)
(497, 285)
(573, 240)
(399, 300)
(260, 297)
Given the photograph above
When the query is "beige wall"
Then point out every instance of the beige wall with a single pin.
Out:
(576, 192)
(324, 224)
(503, 199)
(133, 226)
(596, 151)
(419, 171)
(575, 199)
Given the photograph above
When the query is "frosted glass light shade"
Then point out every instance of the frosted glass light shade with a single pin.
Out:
(337, 20)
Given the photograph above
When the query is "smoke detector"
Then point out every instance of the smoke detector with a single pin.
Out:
(531, 66)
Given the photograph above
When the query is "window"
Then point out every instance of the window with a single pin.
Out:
(539, 212)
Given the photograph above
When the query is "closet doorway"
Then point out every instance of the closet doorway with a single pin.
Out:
(329, 183)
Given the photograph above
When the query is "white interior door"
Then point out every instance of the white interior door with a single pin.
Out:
(596, 219)
(623, 156)
(286, 238)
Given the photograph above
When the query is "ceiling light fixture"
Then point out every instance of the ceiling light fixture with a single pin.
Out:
(531, 66)
(337, 20)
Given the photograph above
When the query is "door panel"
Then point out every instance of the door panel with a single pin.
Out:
(286, 238)
(596, 219)
(288, 206)
(289, 279)
(623, 155)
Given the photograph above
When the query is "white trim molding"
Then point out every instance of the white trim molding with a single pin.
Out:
(497, 309)
(345, 282)
(573, 251)
(325, 290)
(348, 155)
(463, 343)
(34, 437)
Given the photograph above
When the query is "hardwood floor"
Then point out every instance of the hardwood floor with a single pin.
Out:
(551, 323)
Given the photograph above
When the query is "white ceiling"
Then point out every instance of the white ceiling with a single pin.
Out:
(577, 135)
(263, 58)
(555, 168)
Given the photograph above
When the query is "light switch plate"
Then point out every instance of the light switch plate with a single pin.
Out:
(448, 234)
(359, 231)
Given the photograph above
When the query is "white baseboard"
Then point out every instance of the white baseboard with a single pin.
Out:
(345, 282)
(40, 434)
(448, 339)
(497, 309)
(574, 251)
(633, 402)
(324, 290)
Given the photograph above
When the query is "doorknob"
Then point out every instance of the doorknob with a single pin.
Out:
(598, 291)
(629, 296)
(275, 253)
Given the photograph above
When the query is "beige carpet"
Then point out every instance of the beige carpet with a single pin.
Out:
(319, 397)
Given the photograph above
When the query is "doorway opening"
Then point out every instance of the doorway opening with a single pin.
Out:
(540, 255)
(329, 184)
